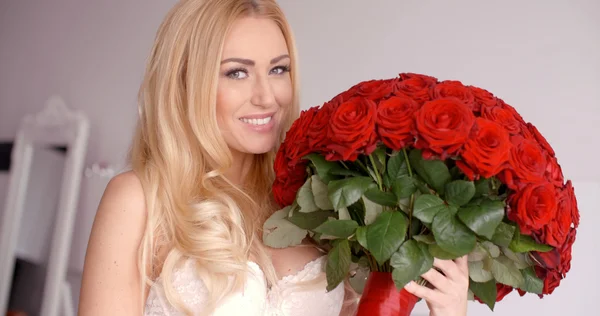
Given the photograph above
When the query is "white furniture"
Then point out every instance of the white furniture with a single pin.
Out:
(55, 125)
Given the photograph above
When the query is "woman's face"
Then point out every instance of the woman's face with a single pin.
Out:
(254, 88)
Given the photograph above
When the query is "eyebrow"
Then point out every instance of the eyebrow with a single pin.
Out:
(250, 62)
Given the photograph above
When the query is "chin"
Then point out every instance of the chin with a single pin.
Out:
(258, 148)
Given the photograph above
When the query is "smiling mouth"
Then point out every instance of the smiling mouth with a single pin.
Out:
(257, 122)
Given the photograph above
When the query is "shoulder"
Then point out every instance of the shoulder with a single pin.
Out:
(123, 204)
(111, 279)
(125, 187)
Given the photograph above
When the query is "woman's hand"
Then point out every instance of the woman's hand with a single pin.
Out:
(450, 289)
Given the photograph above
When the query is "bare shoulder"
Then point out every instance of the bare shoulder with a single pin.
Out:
(111, 282)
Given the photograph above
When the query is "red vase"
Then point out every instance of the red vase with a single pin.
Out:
(381, 297)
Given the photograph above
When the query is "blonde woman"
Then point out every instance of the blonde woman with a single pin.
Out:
(179, 233)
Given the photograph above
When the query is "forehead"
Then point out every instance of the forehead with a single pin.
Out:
(254, 38)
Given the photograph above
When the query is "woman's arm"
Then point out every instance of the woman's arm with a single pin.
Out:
(111, 281)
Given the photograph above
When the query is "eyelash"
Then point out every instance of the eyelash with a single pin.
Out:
(231, 72)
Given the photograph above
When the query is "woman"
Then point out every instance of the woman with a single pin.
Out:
(179, 233)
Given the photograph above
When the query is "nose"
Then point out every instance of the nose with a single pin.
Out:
(263, 94)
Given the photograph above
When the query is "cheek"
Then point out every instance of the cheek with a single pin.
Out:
(228, 101)
(283, 93)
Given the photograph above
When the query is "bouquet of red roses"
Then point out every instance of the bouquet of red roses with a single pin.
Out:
(392, 173)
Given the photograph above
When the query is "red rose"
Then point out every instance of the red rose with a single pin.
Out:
(487, 152)
(543, 142)
(527, 163)
(376, 89)
(317, 131)
(567, 213)
(287, 184)
(572, 202)
(352, 130)
(443, 126)
(501, 291)
(280, 165)
(565, 252)
(504, 117)
(551, 279)
(395, 121)
(454, 89)
(555, 233)
(549, 259)
(415, 86)
(533, 207)
(483, 99)
(554, 172)
(296, 141)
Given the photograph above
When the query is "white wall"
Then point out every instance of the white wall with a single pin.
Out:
(541, 57)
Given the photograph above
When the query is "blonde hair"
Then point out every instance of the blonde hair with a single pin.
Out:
(180, 156)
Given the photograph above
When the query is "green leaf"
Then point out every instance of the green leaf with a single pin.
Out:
(470, 295)
(387, 181)
(409, 262)
(532, 283)
(486, 292)
(434, 172)
(337, 228)
(477, 273)
(440, 253)
(338, 170)
(381, 197)
(338, 264)
(459, 192)
(344, 214)
(478, 254)
(451, 234)
(386, 235)
(504, 234)
(345, 192)
(482, 187)
(492, 249)
(427, 206)
(426, 239)
(483, 219)
(520, 259)
(322, 166)
(421, 185)
(361, 236)
(278, 232)
(310, 220)
(320, 193)
(305, 198)
(524, 243)
(359, 279)
(397, 167)
(372, 210)
(380, 156)
(404, 187)
(505, 272)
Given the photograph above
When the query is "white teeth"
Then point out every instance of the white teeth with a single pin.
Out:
(262, 121)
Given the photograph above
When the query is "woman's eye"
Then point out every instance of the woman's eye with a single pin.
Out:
(280, 70)
(237, 74)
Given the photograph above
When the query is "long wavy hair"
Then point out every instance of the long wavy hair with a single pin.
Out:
(180, 156)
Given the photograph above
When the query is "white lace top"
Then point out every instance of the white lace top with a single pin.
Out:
(255, 299)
